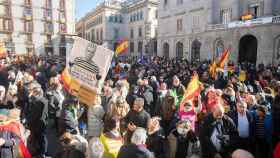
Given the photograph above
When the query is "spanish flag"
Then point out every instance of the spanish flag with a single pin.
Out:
(66, 79)
(122, 47)
(192, 91)
(224, 58)
(3, 51)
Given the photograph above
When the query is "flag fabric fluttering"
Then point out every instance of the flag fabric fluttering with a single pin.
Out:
(23, 151)
(3, 52)
(214, 67)
(224, 58)
(192, 91)
(66, 79)
(122, 47)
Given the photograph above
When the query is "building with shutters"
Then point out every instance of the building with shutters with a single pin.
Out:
(114, 20)
(201, 29)
(36, 26)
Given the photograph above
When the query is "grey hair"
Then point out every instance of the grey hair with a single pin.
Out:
(139, 136)
(241, 154)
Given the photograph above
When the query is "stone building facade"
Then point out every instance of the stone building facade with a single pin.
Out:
(115, 20)
(36, 26)
(202, 29)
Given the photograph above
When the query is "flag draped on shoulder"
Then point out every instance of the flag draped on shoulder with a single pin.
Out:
(66, 79)
(122, 47)
(192, 91)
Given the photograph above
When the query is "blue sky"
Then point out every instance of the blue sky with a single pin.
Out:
(84, 6)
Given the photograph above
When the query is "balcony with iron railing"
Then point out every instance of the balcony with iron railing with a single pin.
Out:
(214, 27)
(276, 20)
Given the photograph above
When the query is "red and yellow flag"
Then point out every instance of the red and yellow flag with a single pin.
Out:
(3, 51)
(192, 91)
(23, 151)
(66, 79)
(122, 47)
(213, 69)
(224, 58)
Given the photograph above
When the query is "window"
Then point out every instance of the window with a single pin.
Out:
(62, 4)
(27, 2)
(141, 15)
(116, 33)
(48, 39)
(179, 2)
(28, 38)
(179, 25)
(62, 17)
(131, 33)
(156, 14)
(255, 10)
(4, 10)
(48, 4)
(97, 35)
(165, 3)
(92, 35)
(48, 14)
(131, 18)
(140, 32)
(28, 26)
(110, 18)
(131, 47)
(225, 16)
(48, 27)
(195, 21)
(5, 24)
(140, 47)
(28, 13)
(116, 19)
(121, 19)
(62, 28)
(101, 34)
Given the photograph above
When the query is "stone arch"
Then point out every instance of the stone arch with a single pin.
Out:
(218, 48)
(195, 51)
(276, 49)
(248, 49)
(166, 50)
(179, 49)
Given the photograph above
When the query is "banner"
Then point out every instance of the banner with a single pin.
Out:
(88, 65)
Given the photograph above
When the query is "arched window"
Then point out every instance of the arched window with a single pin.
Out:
(219, 48)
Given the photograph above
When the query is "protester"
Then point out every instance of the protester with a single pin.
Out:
(263, 132)
(137, 147)
(136, 117)
(156, 138)
(244, 123)
(111, 138)
(156, 88)
(37, 115)
(95, 116)
(183, 141)
(217, 134)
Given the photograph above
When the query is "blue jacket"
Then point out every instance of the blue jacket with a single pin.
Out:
(267, 126)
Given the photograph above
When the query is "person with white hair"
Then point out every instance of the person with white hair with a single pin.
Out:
(241, 154)
(137, 148)
(217, 133)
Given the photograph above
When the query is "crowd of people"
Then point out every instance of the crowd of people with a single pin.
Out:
(138, 113)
